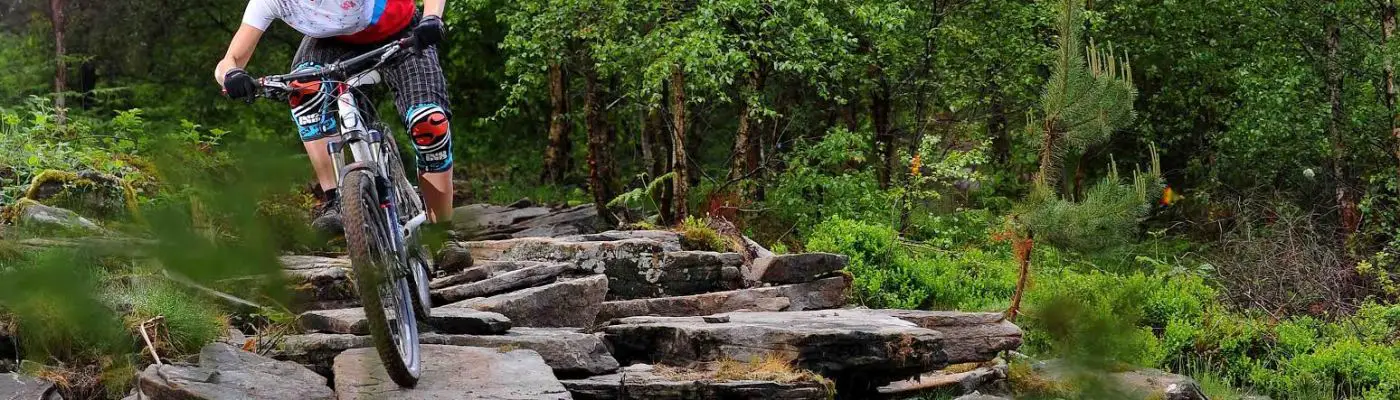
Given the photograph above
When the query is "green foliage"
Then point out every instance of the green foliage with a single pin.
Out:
(829, 178)
(888, 273)
(187, 320)
(59, 304)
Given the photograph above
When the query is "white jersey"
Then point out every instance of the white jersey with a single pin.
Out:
(315, 18)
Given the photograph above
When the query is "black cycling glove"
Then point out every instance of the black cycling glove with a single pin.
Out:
(428, 32)
(238, 85)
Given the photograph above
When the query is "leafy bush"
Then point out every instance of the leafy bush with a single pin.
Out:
(830, 178)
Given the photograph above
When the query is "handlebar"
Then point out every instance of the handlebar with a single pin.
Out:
(275, 85)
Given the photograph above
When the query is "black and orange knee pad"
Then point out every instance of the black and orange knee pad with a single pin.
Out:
(430, 128)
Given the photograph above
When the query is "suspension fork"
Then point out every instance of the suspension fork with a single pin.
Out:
(362, 142)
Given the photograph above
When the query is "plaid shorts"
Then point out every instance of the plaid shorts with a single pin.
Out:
(417, 84)
(415, 80)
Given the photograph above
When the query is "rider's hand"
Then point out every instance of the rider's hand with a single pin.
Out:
(238, 84)
(428, 32)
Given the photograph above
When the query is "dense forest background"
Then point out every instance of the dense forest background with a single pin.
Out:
(1203, 186)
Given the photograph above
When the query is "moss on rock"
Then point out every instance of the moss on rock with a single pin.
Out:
(88, 193)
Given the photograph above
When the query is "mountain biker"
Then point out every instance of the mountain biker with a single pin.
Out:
(336, 29)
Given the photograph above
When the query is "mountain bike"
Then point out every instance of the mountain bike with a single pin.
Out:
(381, 209)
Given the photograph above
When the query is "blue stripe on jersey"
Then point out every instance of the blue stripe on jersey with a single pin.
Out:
(378, 11)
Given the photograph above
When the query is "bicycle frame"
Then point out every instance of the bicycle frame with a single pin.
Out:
(362, 143)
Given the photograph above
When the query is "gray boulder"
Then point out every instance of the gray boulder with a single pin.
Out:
(571, 303)
(53, 219)
(22, 387)
(225, 372)
(451, 372)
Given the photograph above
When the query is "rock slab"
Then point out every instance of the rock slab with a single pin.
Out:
(518, 279)
(468, 322)
(225, 372)
(969, 337)
(571, 303)
(568, 352)
(21, 387)
(860, 349)
(640, 382)
(451, 372)
(818, 295)
(674, 273)
(794, 268)
(320, 282)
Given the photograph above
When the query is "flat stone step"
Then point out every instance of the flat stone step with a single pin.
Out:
(518, 279)
(860, 349)
(445, 320)
(570, 303)
(968, 336)
(647, 382)
(451, 372)
(567, 351)
(479, 271)
(467, 321)
(589, 256)
(822, 294)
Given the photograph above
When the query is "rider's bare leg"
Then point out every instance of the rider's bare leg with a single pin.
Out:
(437, 192)
(322, 162)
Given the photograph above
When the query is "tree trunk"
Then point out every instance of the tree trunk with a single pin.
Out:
(600, 172)
(557, 156)
(1345, 202)
(657, 159)
(679, 164)
(880, 108)
(60, 76)
(1388, 29)
(1045, 178)
(744, 139)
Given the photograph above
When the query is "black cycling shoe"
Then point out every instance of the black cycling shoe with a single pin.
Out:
(326, 218)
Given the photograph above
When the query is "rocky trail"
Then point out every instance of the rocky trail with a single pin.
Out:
(542, 304)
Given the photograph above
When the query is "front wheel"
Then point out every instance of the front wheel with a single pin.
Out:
(386, 296)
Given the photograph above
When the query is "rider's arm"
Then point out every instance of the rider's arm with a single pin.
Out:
(434, 7)
(240, 50)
